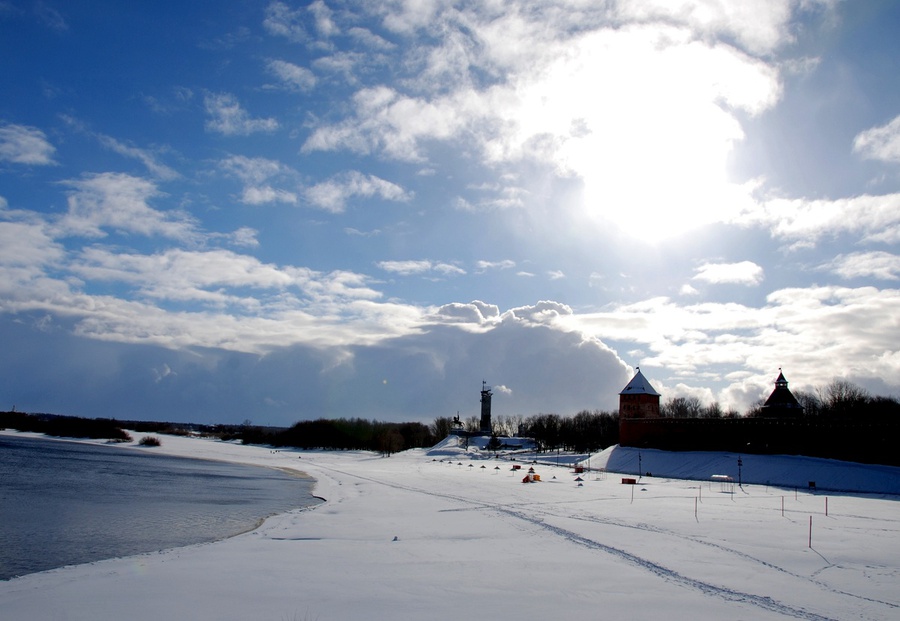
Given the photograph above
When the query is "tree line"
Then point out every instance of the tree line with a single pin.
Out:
(341, 434)
(838, 401)
(585, 431)
(64, 426)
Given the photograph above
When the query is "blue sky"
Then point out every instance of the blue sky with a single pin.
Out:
(276, 211)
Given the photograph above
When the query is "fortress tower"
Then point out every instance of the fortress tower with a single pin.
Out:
(638, 399)
(782, 402)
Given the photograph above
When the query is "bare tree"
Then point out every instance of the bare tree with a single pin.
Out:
(681, 407)
(812, 405)
(441, 427)
(713, 410)
(507, 425)
(756, 409)
(842, 398)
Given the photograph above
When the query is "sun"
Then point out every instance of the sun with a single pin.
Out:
(646, 119)
(668, 181)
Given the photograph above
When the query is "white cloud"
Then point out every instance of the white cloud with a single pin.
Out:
(255, 174)
(353, 231)
(27, 244)
(266, 194)
(119, 202)
(675, 118)
(188, 275)
(880, 143)
(226, 299)
(21, 144)
(876, 264)
(505, 264)
(308, 362)
(818, 332)
(147, 158)
(370, 39)
(476, 313)
(805, 222)
(396, 124)
(323, 17)
(227, 117)
(405, 268)
(252, 169)
(449, 269)
(244, 237)
(760, 27)
(162, 373)
(406, 17)
(344, 63)
(742, 273)
(333, 194)
(293, 77)
(283, 21)
(424, 266)
(544, 312)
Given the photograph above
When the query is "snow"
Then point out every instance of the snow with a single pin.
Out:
(420, 535)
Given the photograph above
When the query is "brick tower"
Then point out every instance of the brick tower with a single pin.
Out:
(638, 399)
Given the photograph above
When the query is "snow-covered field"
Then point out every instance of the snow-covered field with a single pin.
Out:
(424, 535)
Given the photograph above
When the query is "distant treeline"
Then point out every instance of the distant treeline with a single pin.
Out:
(839, 401)
(582, 432)
(585, 431)
(64, 426)
(341, 434)
(101, 428)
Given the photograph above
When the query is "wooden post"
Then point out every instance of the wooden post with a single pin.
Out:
(810, 532)
(782, 506)
(826, 506)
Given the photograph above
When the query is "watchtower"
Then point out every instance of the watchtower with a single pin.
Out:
(782, 402)
(486, 394)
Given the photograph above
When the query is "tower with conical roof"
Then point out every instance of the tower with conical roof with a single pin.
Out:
(638, 399)
(782, 402)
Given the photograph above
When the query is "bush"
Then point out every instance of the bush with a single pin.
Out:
(150, 441)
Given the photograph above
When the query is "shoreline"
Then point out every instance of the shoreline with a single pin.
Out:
(311, 500)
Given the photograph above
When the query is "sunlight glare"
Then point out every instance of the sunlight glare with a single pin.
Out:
(643, 119)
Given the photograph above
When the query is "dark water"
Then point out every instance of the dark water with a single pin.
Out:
(63, 503)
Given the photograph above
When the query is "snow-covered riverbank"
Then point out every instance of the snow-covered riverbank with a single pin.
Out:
(426, 536)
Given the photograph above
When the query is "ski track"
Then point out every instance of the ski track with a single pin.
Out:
(723, 548)
(669, 575)
(766, 603)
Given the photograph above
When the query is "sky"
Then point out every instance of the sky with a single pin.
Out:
(234, 210)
